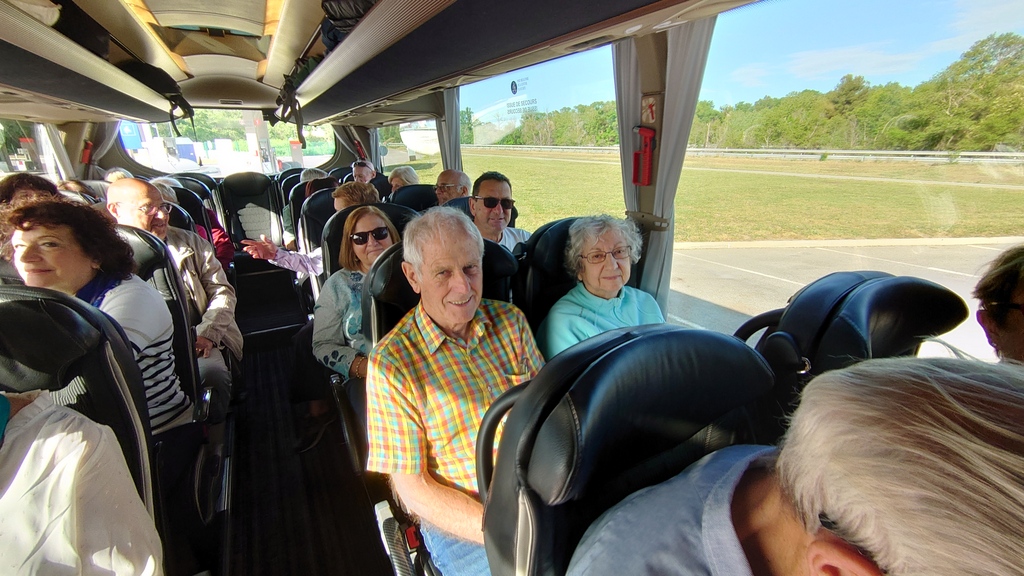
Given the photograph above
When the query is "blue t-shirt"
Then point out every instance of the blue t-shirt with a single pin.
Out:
(580, 315)
(681, 527)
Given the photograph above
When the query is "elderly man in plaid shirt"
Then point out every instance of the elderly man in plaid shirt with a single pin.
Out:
(431, 379)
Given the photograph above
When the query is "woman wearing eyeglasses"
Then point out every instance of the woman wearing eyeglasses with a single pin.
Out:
(338, 341)
(600, 253)
(74, 249)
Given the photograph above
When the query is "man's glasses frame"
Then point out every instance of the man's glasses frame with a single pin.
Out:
(489, 202)
(619, 253)
(363, 163)
(151, 209)
(360, 238)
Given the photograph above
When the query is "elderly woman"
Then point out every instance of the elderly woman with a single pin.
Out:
(600, 254)
(402, 176)
(338, 341)
(21, 186)
(73, 249)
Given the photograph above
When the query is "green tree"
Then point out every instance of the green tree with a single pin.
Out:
(466, 126)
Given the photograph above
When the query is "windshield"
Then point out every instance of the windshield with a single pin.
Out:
(226, 142)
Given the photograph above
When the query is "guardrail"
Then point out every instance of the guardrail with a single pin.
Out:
(790, 154)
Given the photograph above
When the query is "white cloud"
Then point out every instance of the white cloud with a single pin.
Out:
(751, 75)
(864, 60)
(977, 19)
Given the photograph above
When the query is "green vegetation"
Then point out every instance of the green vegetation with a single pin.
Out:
(736, 199)
(976, 103)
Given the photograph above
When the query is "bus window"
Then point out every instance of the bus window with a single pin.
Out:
(413, 144)
(26, 148)
(551, 128)
(226, 142)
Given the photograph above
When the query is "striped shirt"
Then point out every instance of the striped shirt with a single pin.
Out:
(427, 392)
(142, 313)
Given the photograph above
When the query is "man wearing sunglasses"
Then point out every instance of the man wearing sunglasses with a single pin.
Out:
(1001, 304)
(491, 206)
(138, 203)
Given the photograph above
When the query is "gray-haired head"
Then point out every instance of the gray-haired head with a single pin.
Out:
(166, 185)
(916, 461)
(438, 226)
(312, 174)
(406, 173)
(587, 229)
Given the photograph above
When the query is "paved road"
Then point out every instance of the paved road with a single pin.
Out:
(719, 286)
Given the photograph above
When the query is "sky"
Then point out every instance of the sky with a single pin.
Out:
(776, 47)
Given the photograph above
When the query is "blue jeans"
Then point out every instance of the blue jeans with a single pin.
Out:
(452, 555)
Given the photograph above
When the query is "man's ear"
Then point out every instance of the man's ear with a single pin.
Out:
(410, 275)
(472, 207)
(988, 324)
(828, 555)
(112, 208)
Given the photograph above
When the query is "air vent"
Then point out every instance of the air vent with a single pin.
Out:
(230, 102)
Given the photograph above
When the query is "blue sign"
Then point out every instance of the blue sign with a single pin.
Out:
(130, 137)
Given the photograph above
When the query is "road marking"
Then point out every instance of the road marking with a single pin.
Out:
(686, 323)
(740, 269)
(932, 268)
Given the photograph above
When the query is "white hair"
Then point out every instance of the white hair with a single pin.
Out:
(407, 174)
(437, 225)
(917, 461)
(163, 185)
(312, 174)
(588, 229)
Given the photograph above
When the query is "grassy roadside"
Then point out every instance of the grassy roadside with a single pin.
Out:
(719, 199)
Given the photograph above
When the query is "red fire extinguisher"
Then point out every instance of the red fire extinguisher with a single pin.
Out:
(86, 152)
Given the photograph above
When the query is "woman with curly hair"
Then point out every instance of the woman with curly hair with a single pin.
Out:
(73, 249)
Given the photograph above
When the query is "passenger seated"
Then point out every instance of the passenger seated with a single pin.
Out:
(218, 236)
(892, 466)
(451, 184)
(73, 249)
(491, 207)
(1000, 295)
(348, 194)
(338, 341)
(432, 378)
(22, 185)
(402, 176)
(114, 174)
(69, 505)
(600, 254)
(305, 177)
(211, 297)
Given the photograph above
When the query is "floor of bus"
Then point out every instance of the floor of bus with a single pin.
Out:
(294, 513)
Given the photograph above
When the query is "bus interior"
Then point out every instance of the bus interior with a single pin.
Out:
(90, 85)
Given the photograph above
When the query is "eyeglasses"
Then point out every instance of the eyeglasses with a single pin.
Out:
(1004, 305)
(445, 186)
(363, 163)
(620, 253)
(506, 203)
(360, 238)
(152, 209)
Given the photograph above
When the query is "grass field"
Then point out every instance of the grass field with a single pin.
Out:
(731, 199)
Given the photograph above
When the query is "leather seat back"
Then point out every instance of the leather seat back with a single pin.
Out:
(156, 266)
(841, 319)
(52, 341)
(611, 415)
(252, 207)
(419, 197)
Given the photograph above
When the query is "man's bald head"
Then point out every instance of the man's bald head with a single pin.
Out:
(138, 203)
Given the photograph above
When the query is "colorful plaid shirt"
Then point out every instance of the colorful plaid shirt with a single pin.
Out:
(426, 393)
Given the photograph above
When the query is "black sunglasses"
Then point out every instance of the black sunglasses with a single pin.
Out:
(363, 163)
(506, 203)
(360, 238)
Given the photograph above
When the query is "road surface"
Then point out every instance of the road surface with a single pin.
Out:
(718, 286)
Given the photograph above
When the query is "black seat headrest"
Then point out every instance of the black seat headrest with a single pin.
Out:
(419, 197)
(150, 252)
(542, 278)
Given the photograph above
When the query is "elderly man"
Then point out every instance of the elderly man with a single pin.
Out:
(1000, 295)
(451, 184)
(431, 379)
(491, 206)
(138, 203)
(893, 466)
